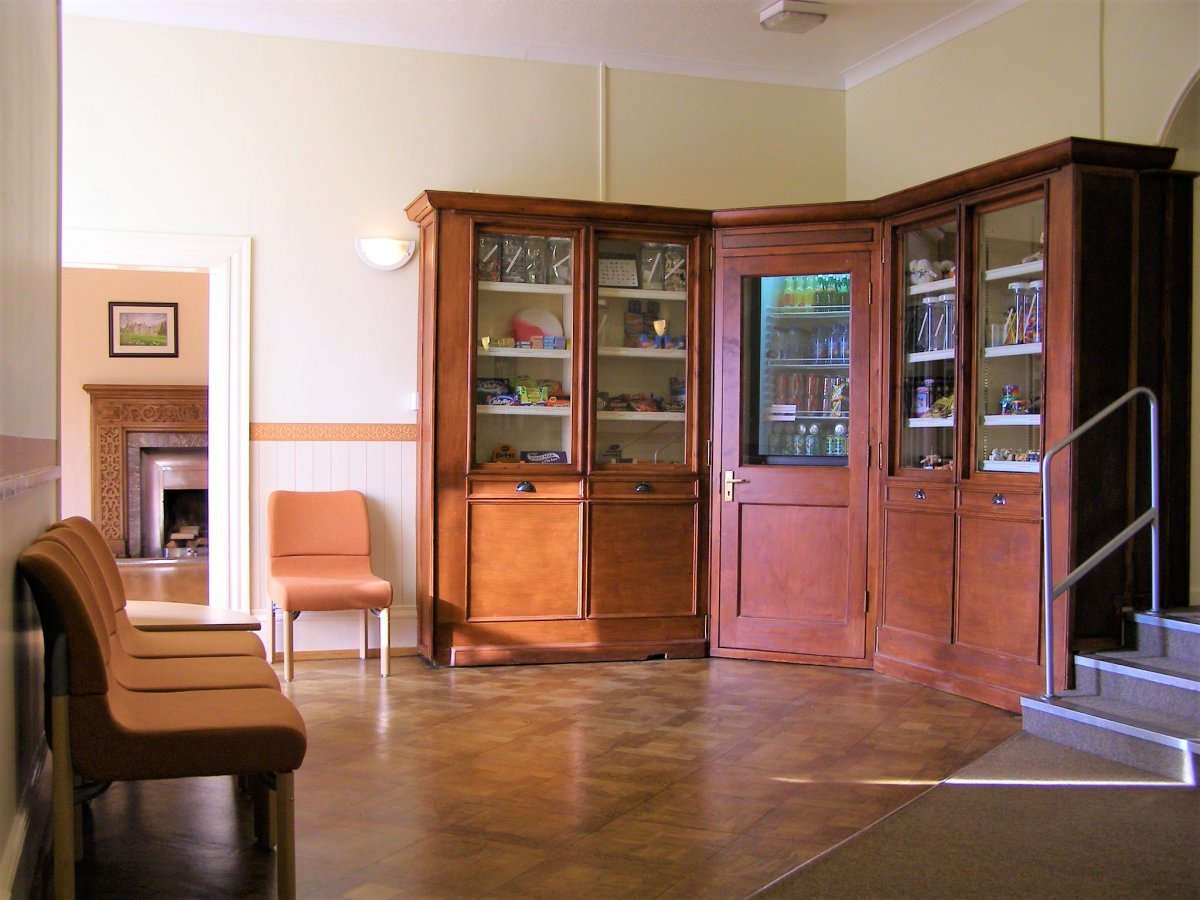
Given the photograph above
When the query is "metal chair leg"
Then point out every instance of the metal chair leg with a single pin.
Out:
(285, 825)
(385, 642)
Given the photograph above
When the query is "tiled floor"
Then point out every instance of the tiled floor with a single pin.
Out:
(682, 778)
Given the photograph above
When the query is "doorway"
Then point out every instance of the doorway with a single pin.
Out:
(227, 262)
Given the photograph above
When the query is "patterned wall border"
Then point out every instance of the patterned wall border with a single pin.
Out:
(334, 431)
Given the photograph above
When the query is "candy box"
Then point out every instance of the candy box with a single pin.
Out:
(543, 456)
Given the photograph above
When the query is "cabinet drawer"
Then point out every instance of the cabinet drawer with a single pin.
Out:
(939, 496)
(643, 488)
(525, 488)
(1001, 502)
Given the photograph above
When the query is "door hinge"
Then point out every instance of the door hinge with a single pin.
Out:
(708, 454)
(876, 638)
(879, 457)
(883, 249)
(870, 293)
(712, 257)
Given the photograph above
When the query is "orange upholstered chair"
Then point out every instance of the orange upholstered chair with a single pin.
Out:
(153, 645)
(100, 731)
(319, 558)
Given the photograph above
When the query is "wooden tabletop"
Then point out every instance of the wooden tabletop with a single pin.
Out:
(162, 615)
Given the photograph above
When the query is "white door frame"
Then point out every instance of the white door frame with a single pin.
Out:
(227, 260)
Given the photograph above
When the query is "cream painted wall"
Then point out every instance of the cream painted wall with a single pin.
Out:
(85, 360)
(29, 84)
(679, 141)
(1023, 79)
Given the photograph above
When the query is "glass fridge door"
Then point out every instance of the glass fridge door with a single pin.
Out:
(928, 347)
(1012, 300)
(641, 322)
(796, 388)
(523, 327)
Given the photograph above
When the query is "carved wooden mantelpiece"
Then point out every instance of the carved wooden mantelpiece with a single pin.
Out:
(118, 410)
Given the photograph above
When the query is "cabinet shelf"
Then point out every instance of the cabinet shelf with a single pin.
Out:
(1029, 268)
(930, 355)
(1032, 349)
(634, 416)
(1000, 465)
(526, 353)
(808, 363)
(520, 287)
(639, 294)
(642, 353)
(929, 287)
(932, 423)
(515, 410)
(1025, 420)
(813, 312)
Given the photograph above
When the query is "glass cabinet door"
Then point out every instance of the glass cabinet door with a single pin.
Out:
(928, 346)
(523, 328)
(1011, 315)
(641, 325)
(797, 350)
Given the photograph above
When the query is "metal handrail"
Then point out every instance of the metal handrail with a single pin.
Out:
(1051, 590)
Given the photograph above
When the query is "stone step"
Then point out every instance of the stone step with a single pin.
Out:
(1171, 633)
(1163, 684)
(1139, 737)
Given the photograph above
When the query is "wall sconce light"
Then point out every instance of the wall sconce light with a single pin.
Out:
(796, 16)
(384, 253)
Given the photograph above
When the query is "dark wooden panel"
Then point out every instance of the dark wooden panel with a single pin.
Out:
(926, 495)
(918, 572)
(642, 489)
(1000, 502)
(506, 488)
(999, 603)
(642, 559)
(745, 239)
(523, 560)
(793, 563)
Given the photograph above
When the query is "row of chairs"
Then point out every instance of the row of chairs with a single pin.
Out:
(129, 705)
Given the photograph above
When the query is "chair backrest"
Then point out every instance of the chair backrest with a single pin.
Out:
(61, 588)
(79, 548)
(104, 558)
(317, 523)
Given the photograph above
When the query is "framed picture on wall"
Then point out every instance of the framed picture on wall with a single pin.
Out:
(143, 329)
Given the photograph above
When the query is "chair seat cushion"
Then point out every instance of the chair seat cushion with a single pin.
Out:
(192, 673)
(127, 735)
(162, 644)
(326, 583)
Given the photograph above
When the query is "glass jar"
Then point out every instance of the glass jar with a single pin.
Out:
(535, 260)
(1033, 315)
(674, 268)
(651, 262)
(512, 259)
(558, 269)
(487, 265)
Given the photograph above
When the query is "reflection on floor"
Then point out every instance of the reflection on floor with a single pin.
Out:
(681, 778)
(176, 580)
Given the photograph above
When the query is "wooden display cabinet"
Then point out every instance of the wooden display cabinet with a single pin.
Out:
(564, 425)
(1014, 316)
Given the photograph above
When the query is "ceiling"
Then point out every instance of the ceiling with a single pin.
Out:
(707, 38)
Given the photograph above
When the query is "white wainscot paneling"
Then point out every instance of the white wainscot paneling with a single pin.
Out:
(386, 472)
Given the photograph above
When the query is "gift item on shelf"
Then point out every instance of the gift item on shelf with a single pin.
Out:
(1010, 402)
(535, 321)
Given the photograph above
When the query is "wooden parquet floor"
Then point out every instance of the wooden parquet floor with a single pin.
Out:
(681, 778)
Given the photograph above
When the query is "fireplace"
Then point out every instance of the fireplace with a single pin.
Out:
(174, 507)
(149, 439)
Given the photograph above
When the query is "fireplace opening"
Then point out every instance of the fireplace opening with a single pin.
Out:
(174, 502)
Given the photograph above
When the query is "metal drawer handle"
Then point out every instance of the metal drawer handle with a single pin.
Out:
(920, 494)
(643, 487)
(526, 487)
(999, 500)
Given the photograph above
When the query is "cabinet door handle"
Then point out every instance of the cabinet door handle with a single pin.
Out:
(920, 494)
(526, 487)
(999, 500)
(643, 487)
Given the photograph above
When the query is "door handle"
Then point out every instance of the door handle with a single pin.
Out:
(729, 482)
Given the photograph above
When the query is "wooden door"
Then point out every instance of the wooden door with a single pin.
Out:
(792, 523)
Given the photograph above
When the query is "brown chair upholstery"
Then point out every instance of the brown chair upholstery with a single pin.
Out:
(319, 558)
(160, 673)
(102, 732)
(158, 644)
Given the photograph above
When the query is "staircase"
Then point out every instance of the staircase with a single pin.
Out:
(1139, 706)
